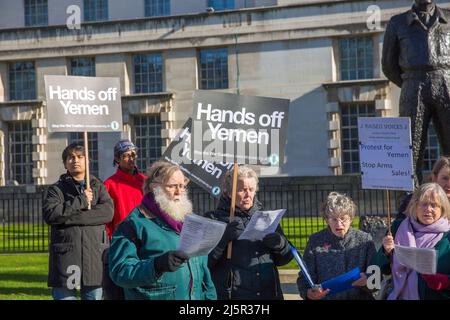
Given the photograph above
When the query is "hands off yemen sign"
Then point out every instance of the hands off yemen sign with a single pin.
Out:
(77, 104)
(385, 153)
(229, 127)
(207, 175)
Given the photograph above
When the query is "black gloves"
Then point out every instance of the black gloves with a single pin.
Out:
(170, 261)
(233, 231)
(274, 241)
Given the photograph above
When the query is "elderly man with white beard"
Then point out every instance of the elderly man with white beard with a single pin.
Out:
(143, 258)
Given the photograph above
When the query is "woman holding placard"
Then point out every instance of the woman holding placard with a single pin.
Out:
(426, 226)
(336, 250)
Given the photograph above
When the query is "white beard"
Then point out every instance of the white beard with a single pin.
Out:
(177, 210)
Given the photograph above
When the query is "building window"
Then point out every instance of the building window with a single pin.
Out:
(82, 67)
(155, 8)
(432, 150)
(147, 136)
(78, 137)
(349, 133)
(356, 58)
(147, 73)
(95, 10)
(221, 4)
(20, 151)
(214, 68)
(22, 81)
(36, 13)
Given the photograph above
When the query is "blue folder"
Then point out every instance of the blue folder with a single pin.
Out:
(341, 283)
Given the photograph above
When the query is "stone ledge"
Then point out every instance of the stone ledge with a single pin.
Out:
(288, 275)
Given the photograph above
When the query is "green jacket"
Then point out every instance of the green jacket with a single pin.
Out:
(135, 244)
(443, 265)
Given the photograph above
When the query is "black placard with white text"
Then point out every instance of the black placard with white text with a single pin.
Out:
(246, 129)
(207, 175)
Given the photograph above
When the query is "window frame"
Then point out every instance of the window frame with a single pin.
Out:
(368, 70)
(151, 141)
(158, 76)
(34, 15)
(18, 89)
(223, 83)
(95, 11)
(24, 166)
(369, 112)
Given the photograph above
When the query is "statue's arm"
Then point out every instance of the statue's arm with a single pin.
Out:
(391, 54)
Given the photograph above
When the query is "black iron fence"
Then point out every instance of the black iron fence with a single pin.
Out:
(22, 228)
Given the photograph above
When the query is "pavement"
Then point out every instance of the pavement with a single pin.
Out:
(288, 279)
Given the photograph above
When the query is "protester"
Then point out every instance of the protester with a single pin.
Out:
(426, 226)
(125, 186)
(251, 273)
(439, 174)
(126, 189)
(78, 234)
(143, 258)
(336, 250)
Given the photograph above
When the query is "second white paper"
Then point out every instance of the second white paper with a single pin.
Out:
(261, 224)
(422, 260)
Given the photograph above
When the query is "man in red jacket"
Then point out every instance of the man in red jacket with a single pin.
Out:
(125, 186)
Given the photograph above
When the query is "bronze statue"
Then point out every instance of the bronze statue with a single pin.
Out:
(416, 57)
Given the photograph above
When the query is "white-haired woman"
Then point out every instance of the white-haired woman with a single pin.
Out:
(336, 250)
(251, 273)
(426, 226)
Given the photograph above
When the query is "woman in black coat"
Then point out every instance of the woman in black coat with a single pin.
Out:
(252, 272)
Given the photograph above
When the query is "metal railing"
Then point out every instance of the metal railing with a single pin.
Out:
(22, 228)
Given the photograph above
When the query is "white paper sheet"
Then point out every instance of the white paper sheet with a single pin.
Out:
(261, 224)
(200, 235)
(422, 260)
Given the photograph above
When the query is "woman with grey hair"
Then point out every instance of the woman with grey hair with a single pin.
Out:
(426, 226)
(336, 250)
(252, 272)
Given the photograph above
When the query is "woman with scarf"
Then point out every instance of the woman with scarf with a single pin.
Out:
(143, 258)
(426, 226)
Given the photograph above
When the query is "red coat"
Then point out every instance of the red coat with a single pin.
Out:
(126, 190)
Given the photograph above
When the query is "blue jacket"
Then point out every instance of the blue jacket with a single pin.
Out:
(137, 241)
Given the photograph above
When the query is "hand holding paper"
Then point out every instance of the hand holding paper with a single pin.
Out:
(317, 293)
(232, 231)
(361, 282)
(274, 241)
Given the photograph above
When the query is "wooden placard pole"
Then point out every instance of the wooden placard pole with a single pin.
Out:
(233, 203)
(388, 202)
(86, 156)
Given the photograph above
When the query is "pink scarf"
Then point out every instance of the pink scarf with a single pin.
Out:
(150, 203)
(411, 233)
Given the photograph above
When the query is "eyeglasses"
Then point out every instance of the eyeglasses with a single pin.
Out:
(341, 220)
(433, 205)
(173, 186)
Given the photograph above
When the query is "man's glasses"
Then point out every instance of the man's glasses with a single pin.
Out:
(173, 186)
